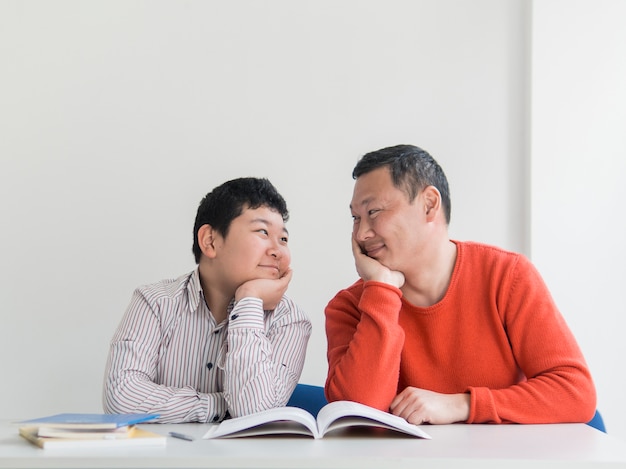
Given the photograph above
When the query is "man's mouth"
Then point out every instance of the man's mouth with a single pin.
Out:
(371, 251)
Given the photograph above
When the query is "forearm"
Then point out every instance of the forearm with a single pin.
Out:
(262, 367)
(127, 391)
(562, 395)
(364, 346)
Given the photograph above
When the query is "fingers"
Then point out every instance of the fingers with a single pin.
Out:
(407, 405)
(415, 405)
(287, 276)
(279, 286)
(356, 248)
(365, 265)
(272, 290)
(269, 290)
(419, 406)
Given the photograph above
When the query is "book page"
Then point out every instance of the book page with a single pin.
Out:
(342, 414)
(111, 434)
(285, 420)
(137, 437)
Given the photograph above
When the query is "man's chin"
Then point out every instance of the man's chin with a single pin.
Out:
(385, 263)
(378, 257)
(268, 274)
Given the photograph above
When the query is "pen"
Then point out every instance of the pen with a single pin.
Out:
(182, 436)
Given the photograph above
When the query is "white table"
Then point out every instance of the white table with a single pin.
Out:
(481, 446)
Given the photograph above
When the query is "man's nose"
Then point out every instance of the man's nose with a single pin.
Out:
(276, 250)
(362, 231)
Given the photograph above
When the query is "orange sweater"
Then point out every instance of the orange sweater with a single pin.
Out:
(496, 334)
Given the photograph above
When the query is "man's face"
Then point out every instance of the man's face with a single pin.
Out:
(386, 225)
(255, 247)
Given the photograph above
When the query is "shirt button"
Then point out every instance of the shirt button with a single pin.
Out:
(234, 316)
(209, 365)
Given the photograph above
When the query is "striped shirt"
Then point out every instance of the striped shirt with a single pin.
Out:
(169, 356)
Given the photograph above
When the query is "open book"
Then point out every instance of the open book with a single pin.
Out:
(293, 420)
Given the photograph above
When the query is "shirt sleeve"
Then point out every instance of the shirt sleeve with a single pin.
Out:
(365, 342)
(130, 377)
(558, 386)
(265, 356)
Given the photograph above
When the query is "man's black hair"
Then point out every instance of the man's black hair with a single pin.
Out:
(412, 170)
(227, 201)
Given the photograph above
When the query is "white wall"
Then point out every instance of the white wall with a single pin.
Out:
(578, 193)
(118, 116)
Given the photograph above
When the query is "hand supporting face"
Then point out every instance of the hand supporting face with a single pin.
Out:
(268, 290)
(418, 406)
(369, 268)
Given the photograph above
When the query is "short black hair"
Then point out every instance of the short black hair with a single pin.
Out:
(412, 170)
(227, 201)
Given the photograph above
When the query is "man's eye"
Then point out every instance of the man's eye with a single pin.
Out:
(373, 212)
(284, 240)
(355, 219)
(264, 231)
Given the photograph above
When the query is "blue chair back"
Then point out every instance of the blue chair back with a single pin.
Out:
(597, 422)
(308, 397)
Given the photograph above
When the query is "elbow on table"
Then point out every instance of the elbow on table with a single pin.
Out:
(116, 400)
(113, 403)
(585, 404)
(580, 407)
(587, 408)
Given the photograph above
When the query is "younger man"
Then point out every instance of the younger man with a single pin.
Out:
(223, 339)
(444, 331)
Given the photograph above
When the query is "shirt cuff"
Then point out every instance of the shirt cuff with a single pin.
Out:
(216, 408)
(247, 314)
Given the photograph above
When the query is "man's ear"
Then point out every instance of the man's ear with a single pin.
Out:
(206, 240)
(432, 202)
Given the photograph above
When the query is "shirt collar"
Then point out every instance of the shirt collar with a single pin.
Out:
(196, 294)
(194, 290)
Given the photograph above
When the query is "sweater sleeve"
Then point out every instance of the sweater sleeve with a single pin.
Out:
(365, 342)
(558, 386)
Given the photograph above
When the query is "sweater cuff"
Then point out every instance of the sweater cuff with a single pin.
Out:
(374, 284)
(482, 406)
(381, 300)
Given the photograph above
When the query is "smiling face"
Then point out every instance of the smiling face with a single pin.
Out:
(256, 246)
(387, 226)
